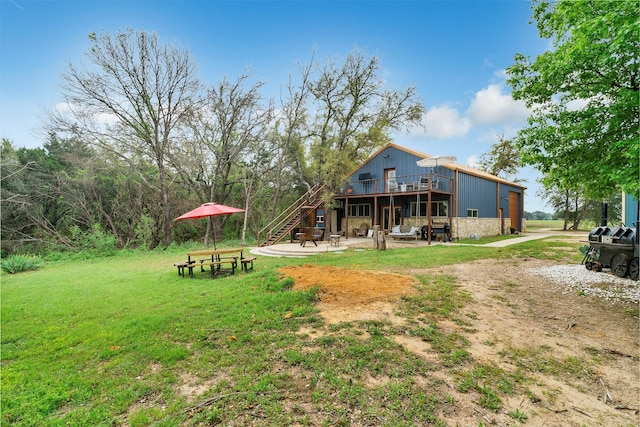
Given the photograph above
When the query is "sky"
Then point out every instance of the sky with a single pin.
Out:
(455, 53)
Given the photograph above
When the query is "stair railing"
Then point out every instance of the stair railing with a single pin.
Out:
(289, 214)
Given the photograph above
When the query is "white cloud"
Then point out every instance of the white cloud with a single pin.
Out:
(577, 104)
(491, 106)
(473, 161)
(67, 109)
(445, 122)
(500, 75)
(64, 108)
(492, 112)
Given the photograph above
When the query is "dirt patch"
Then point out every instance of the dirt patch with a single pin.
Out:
(351, 295)
(512, 309)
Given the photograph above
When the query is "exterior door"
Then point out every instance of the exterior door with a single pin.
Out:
(386, 218)
(390, 177)
(390, 217)
(514, 209)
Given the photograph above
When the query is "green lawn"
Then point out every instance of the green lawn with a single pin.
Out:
(111, 341)
(554, 224)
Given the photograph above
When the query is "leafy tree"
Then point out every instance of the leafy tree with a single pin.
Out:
(68, 196)
(131, 101)
(570, 203)
(584, 95)
(502, 159)
(37, 204)
(340, 113)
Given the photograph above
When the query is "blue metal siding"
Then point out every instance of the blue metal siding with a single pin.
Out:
(630, 210)
(504, 198)
(474, 192)
(391, 158)
(477, 193)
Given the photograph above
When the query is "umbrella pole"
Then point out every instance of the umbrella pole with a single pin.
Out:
(213, 232)
(207, 231)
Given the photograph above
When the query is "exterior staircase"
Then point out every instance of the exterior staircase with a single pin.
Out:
(291, 217)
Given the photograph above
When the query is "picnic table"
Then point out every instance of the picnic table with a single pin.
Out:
(310, 234)
(218, 260)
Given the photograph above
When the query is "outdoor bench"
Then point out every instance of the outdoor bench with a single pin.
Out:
(405, 232)
(245, 261)
(217, 265)
(182, 265)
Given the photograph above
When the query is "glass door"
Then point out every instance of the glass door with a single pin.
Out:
(397, 215)
(391, 217)
(386, 218)
(390, 183)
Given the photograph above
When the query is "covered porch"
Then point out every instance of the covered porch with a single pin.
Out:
(417, 200)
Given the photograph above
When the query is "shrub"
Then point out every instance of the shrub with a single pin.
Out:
(19, 263)
(93, 243)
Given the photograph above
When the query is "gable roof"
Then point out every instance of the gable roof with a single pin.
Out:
(451, 166)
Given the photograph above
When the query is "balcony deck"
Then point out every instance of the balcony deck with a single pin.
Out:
(402, 185)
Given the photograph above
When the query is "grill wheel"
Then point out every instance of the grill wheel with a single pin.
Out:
(633, 269)
(619, 265)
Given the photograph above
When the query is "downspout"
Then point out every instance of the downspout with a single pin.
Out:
(457, 203)
(522, 230)
(498, 201)
(429, 210)
(450, 213)
(457, 198)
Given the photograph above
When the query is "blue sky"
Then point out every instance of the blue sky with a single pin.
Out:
(454, 52)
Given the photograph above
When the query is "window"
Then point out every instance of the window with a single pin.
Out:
(437, 209)
(362, 210)
(472, 213)
(423, 209)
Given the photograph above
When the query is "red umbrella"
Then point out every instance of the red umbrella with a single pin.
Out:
(207, 210)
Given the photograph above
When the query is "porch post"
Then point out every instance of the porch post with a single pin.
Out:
(346, 217)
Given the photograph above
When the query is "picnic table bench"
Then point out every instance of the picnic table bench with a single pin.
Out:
(218, 260)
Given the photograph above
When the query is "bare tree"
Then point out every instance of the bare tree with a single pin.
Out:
(292, 123)
(131, 101)
(222, 134)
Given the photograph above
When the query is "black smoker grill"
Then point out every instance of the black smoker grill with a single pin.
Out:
(615, 248)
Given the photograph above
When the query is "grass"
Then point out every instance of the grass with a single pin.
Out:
(113, 341)
(555, 224)
(488, 239)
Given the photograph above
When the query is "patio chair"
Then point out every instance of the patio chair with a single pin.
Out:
(392, 185)
(362, 230)
(424, 183)
(317, 234)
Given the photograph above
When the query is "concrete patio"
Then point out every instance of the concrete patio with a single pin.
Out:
(296, 250)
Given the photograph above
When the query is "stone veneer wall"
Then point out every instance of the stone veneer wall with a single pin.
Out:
(354, 223)
(461, 228)
(464, 227)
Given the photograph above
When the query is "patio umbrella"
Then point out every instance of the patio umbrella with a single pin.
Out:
(209, 210)
(435, 161)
